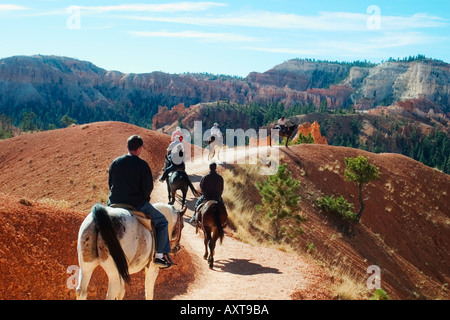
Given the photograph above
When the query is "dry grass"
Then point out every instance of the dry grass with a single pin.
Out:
(245, 220)
(250, 226)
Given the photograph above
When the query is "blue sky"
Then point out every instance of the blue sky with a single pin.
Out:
(223, 37)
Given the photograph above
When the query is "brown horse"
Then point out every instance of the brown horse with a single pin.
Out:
(212, 218)
(285, 131)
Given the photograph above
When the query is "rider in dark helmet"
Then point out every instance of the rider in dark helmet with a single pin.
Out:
(211, 187)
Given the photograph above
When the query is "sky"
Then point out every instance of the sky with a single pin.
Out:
(227, 37)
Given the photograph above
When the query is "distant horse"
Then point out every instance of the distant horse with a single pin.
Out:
(178, 180)
(114, 239)
(212, 218)
(211, 143)
(286, 131)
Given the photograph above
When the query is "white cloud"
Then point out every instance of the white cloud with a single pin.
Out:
(205, 36)
(377, 45)
(11, 7)
(167, 7)
(324, 21)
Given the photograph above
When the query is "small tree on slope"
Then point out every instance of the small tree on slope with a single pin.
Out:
(280, 201)
(360, 171)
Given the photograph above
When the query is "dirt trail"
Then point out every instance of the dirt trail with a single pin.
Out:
(242, 271)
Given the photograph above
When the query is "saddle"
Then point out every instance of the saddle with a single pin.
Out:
(143, 219)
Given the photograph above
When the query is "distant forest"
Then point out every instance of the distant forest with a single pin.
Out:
(342, 127)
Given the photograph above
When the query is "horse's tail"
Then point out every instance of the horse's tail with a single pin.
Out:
(191, 186)
(217, 221)
(105, 227)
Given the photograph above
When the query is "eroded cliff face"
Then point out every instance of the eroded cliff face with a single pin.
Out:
(58, 85)
(391, 82)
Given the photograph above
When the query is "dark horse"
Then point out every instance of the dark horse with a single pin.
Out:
(285, 131)
(178, 180)
(212, 218)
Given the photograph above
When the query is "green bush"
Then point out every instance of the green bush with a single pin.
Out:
(380, 294)
(339, 206)
(281, 202)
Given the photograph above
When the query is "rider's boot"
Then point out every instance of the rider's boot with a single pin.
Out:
(193, 219)
(163, 261)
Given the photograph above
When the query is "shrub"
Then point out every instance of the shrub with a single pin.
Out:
(380, 294)
(339, 206)
(280, 201)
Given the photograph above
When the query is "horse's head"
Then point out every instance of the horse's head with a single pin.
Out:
(175, 219)
(175, 235)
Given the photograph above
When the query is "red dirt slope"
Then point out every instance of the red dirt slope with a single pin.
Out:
(71, 165)
(54, 170)
(38, 243)
(405, 228)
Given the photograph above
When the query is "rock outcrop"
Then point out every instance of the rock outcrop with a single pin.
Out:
(307, 128)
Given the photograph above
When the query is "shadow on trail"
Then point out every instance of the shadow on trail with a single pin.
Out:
(243, 267)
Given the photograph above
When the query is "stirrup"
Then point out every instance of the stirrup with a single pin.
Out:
(167, 258)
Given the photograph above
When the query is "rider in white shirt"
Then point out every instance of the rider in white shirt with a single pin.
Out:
(215, 131)
(176, 152)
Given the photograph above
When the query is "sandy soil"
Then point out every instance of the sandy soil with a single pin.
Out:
(242, 271)
(50, 180)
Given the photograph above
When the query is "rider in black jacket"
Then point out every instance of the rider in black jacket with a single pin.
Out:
(211, 187)
(131, 182)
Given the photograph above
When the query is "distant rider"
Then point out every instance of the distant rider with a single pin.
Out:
(175, 154)
(215, 131)
(177, 132)
(281, 124)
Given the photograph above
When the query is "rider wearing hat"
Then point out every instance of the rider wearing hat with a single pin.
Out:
(175, 154)
(215, 131)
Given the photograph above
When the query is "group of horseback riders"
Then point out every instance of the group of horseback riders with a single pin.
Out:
(130, 182)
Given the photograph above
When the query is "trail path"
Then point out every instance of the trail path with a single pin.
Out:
(241, 271)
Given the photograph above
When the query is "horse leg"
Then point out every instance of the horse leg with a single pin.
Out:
(86, 271)
(207, 235)
(116, 285)
(212, 246)
(173, 197)
(168, 189)
(87, 256)
(151, 273)
(184, 197)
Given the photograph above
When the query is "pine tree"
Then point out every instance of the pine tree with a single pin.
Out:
(359, 170)
(280, 201)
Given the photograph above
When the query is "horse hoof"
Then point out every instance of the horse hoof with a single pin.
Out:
(211, 266)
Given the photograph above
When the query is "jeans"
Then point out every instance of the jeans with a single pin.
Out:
(161, 226)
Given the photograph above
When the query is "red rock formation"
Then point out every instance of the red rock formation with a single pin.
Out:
(306, 128)
(166, 116)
